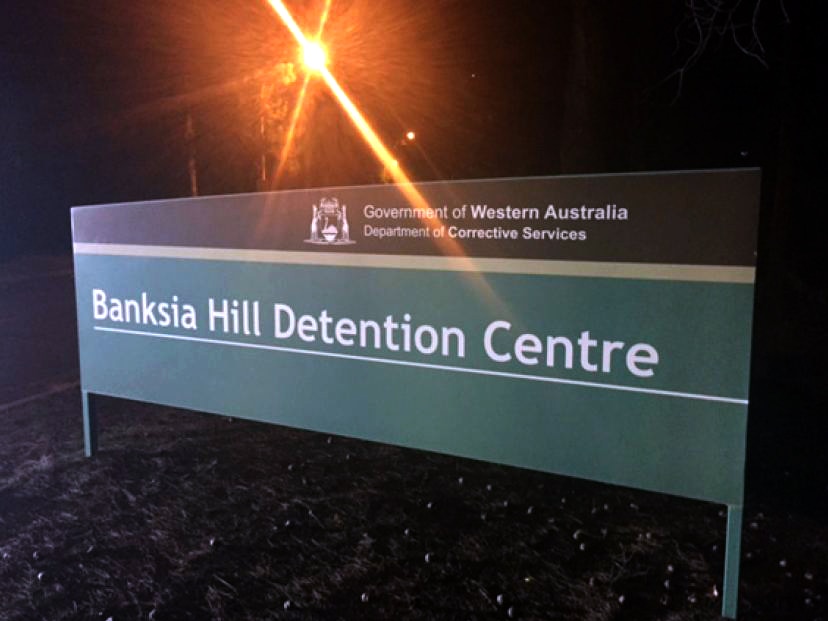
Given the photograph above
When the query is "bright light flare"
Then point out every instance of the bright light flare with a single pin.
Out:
(314, 56)
(368, 134)
(300, 102)
(410, 136)
(381, 151)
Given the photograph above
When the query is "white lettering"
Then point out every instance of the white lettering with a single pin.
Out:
(635, 357)
(278, 311)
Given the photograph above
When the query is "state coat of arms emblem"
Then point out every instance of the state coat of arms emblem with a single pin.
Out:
(329, 223)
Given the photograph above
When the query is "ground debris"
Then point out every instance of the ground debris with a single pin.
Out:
(180, 517)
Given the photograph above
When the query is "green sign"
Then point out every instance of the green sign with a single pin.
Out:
(597, 327)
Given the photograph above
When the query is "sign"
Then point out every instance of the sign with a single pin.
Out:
(591, 326)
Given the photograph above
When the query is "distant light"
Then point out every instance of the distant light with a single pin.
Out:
(411, 135)
(315, 57)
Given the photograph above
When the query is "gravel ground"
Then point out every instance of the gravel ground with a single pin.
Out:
(191, 516)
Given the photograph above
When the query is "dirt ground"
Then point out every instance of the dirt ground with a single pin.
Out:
(190, 516)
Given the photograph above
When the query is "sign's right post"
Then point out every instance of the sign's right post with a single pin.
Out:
(733, 546)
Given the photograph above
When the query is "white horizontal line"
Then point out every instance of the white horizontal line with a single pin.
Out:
(425, 365)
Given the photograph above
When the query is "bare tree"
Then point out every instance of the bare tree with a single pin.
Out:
(715, 22)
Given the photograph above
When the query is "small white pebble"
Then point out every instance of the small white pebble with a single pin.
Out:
(505, 503)
(407, 532)
(576, 535)
(809, 602)
(40, 575)
(604, 532)
(621, 599)
(329, 440)
(649, 535)
(511, 612)
(500, 599)
(483, 516)
(606, 507)
(691, 598)
(633, 506)
(428, 557)
(667, 583)
(808, 576)
(290, 467)
(582, 547)
(488, 487)
(364, 598)
(783, 563)
(715, 591)
(459, 480)
(563, 500)
(286, 605)
(429, 505)
(670, 569)
(212, 541)
(530, 510)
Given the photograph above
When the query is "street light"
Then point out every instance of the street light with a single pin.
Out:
(314, 56)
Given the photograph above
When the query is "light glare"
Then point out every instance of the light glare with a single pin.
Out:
(382, 153)
(314, 56)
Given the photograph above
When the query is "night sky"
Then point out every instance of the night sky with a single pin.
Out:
(95, 98)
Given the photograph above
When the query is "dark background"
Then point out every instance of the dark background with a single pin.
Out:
(95, 96)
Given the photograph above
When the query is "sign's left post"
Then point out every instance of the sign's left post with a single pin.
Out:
(90, 424)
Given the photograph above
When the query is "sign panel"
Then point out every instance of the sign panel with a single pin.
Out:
(594, 326)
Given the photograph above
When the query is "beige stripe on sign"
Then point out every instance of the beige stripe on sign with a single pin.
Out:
(594, 269)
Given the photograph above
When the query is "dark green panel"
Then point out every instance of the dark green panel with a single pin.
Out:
(687, 445)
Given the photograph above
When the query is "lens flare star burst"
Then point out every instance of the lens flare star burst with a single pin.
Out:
(315, 59)
(314, 56)
(450, 246)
